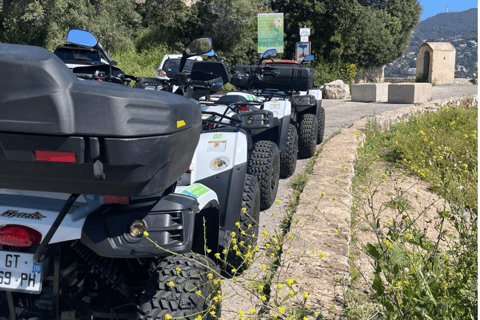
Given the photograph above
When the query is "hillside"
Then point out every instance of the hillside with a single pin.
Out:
(459, 28)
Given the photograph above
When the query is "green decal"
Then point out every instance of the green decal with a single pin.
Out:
(196, 190)
(217, 136)
(270, 32)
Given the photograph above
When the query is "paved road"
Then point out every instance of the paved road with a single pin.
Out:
(338, 113)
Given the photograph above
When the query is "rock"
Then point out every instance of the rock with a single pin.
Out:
(336, 90)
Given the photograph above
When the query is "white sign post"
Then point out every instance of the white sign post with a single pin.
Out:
(303, 38)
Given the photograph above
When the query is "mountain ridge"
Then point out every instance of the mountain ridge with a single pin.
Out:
(458, 28)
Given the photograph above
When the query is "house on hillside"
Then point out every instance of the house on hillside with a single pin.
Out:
(436, 62)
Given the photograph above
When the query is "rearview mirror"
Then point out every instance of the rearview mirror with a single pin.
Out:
(210, 53)
(199, 46)
(81, 37)
(308, 58)
(270, 53)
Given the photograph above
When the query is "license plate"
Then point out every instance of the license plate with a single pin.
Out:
(18, 272)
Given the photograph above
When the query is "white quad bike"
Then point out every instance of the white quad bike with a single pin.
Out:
(272, 139)
(292, 84)
(220, 161)
(92, 222)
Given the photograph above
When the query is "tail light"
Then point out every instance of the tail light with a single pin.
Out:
(161, 73)
(99, 79)
(54, 156)
(296, 92)
(243, 108)
(19, 236)
(116, 199)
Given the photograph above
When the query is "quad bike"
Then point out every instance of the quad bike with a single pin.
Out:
(307, 115)
(220, 160)
(272, 139)
(88, 60)
(304, 102)
(92, 223)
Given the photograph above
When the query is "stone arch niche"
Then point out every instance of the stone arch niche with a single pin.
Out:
(436, 62)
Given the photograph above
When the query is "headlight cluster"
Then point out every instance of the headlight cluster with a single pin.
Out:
(304, 100)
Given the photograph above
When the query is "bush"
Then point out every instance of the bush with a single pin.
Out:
(419, 275)
(140, 63)
(328, 72)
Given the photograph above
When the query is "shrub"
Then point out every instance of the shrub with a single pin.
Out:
(328, 72)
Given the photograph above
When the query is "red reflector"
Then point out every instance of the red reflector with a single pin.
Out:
(243, 108)
(296, 92)
(19, 236)
(161, 73)
(116, 199)
(55, 156)
(99, 79)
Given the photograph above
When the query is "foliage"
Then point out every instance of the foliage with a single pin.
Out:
(45, 23)
(140, 63)
(418, 276)
(344, 30)
(328, 72)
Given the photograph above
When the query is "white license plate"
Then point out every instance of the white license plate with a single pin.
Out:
(18, 272)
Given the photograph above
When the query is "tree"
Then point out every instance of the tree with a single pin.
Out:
(345, 30)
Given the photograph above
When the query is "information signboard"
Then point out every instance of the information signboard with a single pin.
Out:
(270, 32)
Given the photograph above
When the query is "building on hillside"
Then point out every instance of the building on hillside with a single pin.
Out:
(436, 62)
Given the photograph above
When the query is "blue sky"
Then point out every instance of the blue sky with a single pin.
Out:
(432, 7)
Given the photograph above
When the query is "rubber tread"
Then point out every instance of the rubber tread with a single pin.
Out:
(321, 125)
(180, 301)
(307, 135)
(264, 164)
(248, 223)
(288, 160)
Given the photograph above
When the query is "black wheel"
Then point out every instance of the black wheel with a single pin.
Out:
(288, 160)
(174, 285)
(249, 217)
(264, 164)
(307, 135)
(321, 125)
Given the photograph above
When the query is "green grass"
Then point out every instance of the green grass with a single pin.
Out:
(433, 145)
(140, 64)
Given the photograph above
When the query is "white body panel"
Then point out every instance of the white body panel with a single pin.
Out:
(203, 194)
(217, 152)
(317, 93)
(280, 108)
(48, 205)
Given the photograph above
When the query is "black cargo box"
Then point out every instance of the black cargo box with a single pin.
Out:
(62, 134)
(289, 78)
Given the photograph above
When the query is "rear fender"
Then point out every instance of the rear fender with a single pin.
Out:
(38, 210)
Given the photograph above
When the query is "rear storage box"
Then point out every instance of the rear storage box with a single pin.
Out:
(289, 78)
(62, 134)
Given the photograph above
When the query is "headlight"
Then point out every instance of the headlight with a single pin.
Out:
(250, 119)
(137, 228)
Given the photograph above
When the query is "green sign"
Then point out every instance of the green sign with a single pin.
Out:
(270, 32)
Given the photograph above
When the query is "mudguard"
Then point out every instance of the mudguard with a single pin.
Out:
(38, 210)
(220, 163)
(317, 93)
(281, 109)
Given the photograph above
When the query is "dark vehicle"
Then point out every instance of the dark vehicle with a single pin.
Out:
(92, 223)
(294, 83)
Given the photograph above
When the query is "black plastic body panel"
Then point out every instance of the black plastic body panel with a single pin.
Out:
(169, 222)
(131, 167)
(228, 185)
(289, 78)
(140, 141)
(41, 95)
(218, 68)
